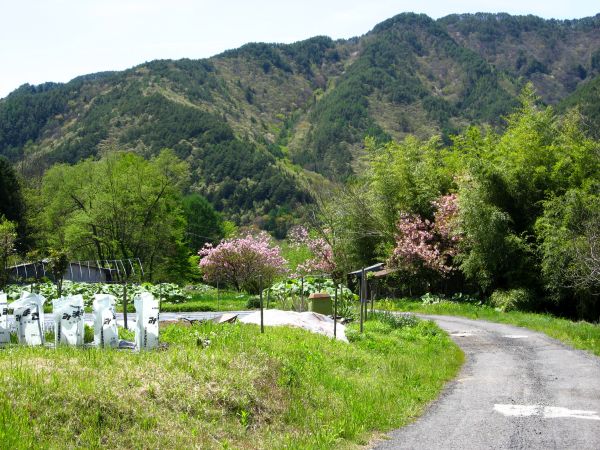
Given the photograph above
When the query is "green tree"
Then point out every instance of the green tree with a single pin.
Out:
(8, 238)
(12, 204)
(569, 236)
(119, 207)
(204, 224)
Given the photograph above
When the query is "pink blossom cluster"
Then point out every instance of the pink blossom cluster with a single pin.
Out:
(422, 243)
(242, 260)
(445, 217)
(322, 254)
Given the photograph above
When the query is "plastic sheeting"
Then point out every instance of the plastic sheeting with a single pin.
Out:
(29, 317)
(105, 321)
(146, 325)
(68, 320)
(4, 329)
(311, 321)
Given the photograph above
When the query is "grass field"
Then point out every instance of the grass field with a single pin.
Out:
(287, 388)
(224, 301)
(581, 335)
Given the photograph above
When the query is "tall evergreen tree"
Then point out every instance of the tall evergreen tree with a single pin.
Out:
(12, 205)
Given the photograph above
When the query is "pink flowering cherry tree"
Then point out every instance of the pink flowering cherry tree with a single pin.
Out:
(421, 243)
(241, 261)
(322, 260)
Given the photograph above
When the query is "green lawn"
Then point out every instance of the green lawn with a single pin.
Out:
(286, 388)
(581, 335)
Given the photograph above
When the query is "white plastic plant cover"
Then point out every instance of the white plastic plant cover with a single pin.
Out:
(4, 330)
(68, 320)
(105, 321)
(146, 325)
(29, 318)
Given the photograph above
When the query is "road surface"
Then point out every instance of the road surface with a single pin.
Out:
(518, 389)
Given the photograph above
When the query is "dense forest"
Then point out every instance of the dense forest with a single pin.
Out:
(301, 111)
(513, 214)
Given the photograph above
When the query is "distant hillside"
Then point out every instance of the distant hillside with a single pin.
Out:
(265, 124)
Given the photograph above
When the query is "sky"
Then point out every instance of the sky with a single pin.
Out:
(57, 40)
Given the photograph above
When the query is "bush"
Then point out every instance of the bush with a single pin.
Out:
(88, 334)
(512, 299)
(459, 297)
(254, 302)
(395, 320)
(433, 299)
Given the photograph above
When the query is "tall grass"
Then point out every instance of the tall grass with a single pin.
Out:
(284, 388)
(581, 335)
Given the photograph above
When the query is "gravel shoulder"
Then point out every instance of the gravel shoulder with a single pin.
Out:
(518, 389)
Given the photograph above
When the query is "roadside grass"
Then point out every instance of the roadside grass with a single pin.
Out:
(287, 388)
(209, 301)
(581, 335)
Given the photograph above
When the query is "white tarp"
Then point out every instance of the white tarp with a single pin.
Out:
(105, 321)
(29, 317)
(4, 329)
(68, 320)
(311, 321)
(146, 325)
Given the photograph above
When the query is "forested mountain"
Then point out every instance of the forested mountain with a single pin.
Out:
(264, 124)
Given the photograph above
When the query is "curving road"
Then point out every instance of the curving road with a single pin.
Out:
(518, 389)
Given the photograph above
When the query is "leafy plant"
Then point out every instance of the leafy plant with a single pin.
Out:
(432, 299)
(510, 300)
(169, 292)
(293, 292)
(395, 320)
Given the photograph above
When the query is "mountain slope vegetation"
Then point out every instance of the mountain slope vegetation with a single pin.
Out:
(264, 125)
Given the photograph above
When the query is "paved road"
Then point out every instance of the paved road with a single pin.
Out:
(517, 390)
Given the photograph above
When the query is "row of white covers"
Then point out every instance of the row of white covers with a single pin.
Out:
(68, 320)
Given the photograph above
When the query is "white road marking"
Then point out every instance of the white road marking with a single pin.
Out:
(461, 334)
(515, 336)
(551, 412)
(518, 410)
(547, 412)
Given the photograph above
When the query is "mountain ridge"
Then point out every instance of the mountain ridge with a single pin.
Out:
(262, 124)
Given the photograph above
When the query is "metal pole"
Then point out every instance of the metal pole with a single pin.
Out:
(125, 305)
(362, 289)
(302, 294)
(262, 324)
(160, 296)
(335, 298)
